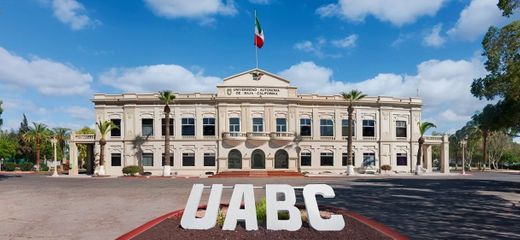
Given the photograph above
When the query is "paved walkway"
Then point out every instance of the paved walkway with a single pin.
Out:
(481, 205)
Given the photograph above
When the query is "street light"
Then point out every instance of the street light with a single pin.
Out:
(54, 141)
(463, 143)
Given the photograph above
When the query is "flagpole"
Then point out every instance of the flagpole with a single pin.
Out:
(256, 48)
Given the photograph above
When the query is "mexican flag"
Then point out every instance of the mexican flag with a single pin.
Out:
(259, 34)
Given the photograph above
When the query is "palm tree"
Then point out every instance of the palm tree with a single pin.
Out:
(37, 135)
(423, 128)
(351, 97)
(62, 135)
(104, 128)
(166, 98)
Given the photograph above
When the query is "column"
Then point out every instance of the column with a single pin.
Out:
(73, 161)
(445, 154)
(428, 157)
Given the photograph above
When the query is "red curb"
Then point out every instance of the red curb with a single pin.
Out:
(369, 222)
(377, 226)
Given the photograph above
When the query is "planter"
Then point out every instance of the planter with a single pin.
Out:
(356, 227)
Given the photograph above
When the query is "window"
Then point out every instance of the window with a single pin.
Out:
(116, 132)
(305, 158)
(234, 124)
(402, 159)
(344, 159)
(188, 127)
(258, 124)
(344, 128)
(369, 159)
(327, 159)
(209, 159)
(188, 159)
(326, 127)
(305, 127)
(369, 129)
(147, 126)
(281, 125)
(171, 159)
(163, 126)
(208, 126)
(147, 159)
(115, 158)
(400, 129)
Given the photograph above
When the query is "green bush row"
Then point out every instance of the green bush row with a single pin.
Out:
(132, 170)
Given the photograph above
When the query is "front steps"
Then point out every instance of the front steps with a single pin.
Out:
(256, 174)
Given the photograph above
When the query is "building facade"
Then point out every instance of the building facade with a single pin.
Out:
(257, 121)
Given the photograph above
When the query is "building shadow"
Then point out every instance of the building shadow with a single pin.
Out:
(435, 209)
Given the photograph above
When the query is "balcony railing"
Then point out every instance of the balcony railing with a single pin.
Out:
(234, 136)
(327, 137)
(85, 136)
(286, 136)
(258, 136)
(366, 138)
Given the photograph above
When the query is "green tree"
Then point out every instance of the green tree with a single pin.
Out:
(166, 97)
(62, 135)
(8, 145)
(24, 148)
(487, 122)
(423, 128)
(37, 135)
(104, 128)
(351, 97)
(502, 51)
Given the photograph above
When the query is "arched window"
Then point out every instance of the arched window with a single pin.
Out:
(258, 159)
(234, 159)
(281, 159)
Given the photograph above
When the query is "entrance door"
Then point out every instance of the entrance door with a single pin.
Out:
(281, 159)
(258, 159)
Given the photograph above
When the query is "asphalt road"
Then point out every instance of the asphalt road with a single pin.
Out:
(481, 206)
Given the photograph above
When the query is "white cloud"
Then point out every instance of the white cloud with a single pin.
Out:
(443, 85)
(77, 112)
(47, 76)
(72, 13)
(159, 77)
(202, 10)
(434, 39)
(397, 12)
(475, 19)
(347, 42)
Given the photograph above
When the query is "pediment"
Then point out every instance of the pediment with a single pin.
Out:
(255, 78)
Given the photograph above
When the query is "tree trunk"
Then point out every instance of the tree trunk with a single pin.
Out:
(166, 160)
(350, 133)
(484, 147)
(102, 143)
(419, 151)
(37, 156)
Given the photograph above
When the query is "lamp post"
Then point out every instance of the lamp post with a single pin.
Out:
(54, 141)
(463, 143)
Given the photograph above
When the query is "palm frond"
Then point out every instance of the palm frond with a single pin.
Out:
(105, 127)
(166, 97)
(353, 96)
(425, 126)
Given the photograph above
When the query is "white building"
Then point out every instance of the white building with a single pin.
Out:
(257, 121)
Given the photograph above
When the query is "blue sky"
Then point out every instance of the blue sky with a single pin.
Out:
(54, 54)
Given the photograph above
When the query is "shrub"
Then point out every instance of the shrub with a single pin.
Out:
(220, 218)
(260, 211)
(386, 168)
(44, 167)
(26, 166)
(132, 170)
(9, 167)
